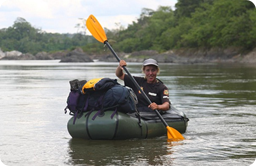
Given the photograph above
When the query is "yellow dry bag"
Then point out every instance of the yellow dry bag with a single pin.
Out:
(90, 85)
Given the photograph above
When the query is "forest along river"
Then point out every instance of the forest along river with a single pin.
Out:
(218, 99)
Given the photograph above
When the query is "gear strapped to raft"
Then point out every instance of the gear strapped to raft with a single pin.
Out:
(100, 94)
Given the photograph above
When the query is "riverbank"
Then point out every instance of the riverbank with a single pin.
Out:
(186, 56)
(189, 56)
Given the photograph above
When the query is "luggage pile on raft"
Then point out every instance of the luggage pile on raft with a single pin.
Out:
(102, 109)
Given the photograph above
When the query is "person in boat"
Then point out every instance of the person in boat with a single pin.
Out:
(156, 91)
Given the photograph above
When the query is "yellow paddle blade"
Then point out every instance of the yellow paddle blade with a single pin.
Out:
(96, 29)
(173, 134)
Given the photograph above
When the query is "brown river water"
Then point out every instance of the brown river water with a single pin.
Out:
(219, 100)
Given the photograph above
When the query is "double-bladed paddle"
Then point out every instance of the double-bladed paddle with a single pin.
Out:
(98, 33)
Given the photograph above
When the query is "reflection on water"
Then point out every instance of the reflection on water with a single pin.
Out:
(219, 100)
(121, 152)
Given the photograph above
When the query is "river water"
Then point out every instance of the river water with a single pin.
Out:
(219, 100)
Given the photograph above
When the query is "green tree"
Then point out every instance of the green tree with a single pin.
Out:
(184, 8)
(221, 24)
(27, 39)
(145, 34)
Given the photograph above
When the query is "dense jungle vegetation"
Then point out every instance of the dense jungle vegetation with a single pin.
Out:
(193, 24)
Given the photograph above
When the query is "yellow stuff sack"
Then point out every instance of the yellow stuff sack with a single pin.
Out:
(90, 85)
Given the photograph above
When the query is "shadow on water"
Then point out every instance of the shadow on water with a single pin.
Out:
(121, 152)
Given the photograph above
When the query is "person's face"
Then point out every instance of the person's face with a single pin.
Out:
(150, 73)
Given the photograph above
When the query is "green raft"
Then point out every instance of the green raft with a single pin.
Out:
(119, 126)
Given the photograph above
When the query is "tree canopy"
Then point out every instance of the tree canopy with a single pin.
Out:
(199, 23)
(193, 24)
(25, 38)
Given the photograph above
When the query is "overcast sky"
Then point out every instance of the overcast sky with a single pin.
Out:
(63, 15)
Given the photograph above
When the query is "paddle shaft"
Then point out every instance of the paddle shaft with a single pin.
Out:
(135, 82)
